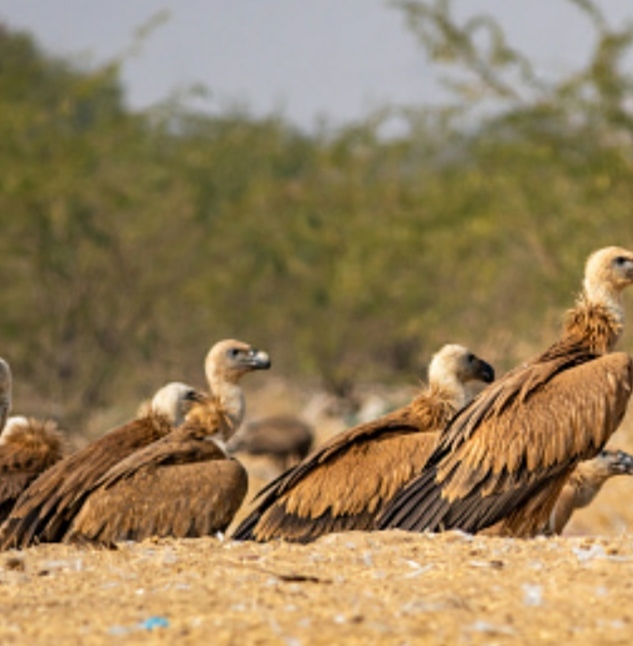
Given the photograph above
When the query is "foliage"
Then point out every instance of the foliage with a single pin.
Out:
(131, 242)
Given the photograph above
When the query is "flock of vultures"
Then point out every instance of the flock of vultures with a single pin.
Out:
(515, 459)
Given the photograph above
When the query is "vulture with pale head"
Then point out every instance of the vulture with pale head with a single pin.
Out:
(584, 484)
(347, 482)
(504, 459)
(183, 485)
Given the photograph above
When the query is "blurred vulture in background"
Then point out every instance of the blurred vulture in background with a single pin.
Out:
(183, 485)
(285, 439)
(506, 457)
(345, 483)
(46, 509)
(28, 447)
(584, 484)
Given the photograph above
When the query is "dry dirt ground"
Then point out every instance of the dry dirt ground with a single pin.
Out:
(354, 588)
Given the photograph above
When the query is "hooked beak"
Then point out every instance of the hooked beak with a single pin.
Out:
(485, 372)
(258, 360)
(622, 463)
(196, 396)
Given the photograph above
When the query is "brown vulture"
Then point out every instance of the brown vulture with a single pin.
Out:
(345, 483)
(504, 459)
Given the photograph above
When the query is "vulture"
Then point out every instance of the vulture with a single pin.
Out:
(284, 438)
(504, 459)
(183, 485)
(346, 483)
(44, 510)
(28, 447)
(43, 513)
(584, 484)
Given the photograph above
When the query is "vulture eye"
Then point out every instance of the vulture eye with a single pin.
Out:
(470, 357)
(233, 353)
(621, 260)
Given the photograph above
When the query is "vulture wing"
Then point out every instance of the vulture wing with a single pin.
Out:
(171, 488)
(347, 481)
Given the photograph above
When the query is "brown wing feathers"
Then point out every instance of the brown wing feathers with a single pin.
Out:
(335, 488)
(175, 487)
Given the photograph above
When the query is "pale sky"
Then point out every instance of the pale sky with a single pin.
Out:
(335, 58)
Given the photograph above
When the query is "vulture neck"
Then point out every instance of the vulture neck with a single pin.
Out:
(597, 320)
(448, 389)
(230, 399)
(586, 486)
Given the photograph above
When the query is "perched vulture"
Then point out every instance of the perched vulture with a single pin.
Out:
(44, 511)
(182, 485)
(345, 484)
(284, 438)
(27, 448)
(584, 484)
(504, 459)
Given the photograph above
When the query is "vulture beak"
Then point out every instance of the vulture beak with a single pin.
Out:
(195, 396)
(485, 372)
(257, 360)
(621, 463)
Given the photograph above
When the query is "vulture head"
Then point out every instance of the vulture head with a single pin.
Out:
(612, 463)
(174, 401)
(229, 360)
(452, 367)
(457, 362)
(607, 272)
(226, 363)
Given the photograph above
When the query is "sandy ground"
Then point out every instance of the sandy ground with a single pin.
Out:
(354, 588)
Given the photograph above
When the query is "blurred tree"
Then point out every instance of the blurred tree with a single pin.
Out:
(132, 241)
